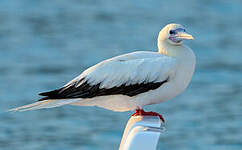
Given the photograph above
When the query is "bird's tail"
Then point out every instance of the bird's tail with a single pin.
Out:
(45, 104)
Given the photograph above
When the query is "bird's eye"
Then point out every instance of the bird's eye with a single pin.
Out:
(172, 32)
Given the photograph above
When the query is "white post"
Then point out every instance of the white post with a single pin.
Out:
(142, 133)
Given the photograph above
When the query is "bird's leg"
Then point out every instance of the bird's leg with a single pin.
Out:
(138, 112)
(141, 112)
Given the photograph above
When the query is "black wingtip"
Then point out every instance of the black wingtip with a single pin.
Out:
(44, 98)
(43, 94)
(50, 94)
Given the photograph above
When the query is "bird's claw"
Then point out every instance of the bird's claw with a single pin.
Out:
(141, 112)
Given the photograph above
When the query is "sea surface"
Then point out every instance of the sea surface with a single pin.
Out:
(44, 44)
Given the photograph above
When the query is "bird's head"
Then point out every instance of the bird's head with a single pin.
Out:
(174, 34)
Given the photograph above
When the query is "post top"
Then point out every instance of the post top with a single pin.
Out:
(142, 133)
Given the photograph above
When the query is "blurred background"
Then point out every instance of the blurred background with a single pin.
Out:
(44, 44)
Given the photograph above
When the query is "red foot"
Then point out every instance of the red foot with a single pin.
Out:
(141, 112)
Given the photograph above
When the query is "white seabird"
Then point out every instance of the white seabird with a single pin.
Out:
(130, 81)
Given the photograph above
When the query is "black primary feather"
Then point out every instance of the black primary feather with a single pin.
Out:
(86, 90)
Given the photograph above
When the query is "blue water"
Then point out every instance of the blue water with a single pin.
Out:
(44, 44)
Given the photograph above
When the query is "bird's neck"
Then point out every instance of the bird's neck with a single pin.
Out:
(181, 52)
(167, 49)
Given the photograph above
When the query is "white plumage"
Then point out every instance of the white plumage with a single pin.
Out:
(130, 68)
(148, 77)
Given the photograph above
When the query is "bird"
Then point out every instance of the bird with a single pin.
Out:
(130, 81)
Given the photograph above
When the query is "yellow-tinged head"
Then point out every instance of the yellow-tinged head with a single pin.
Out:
(174, 34)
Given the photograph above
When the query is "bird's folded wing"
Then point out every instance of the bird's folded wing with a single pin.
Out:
(118, 76)
(115, 73)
